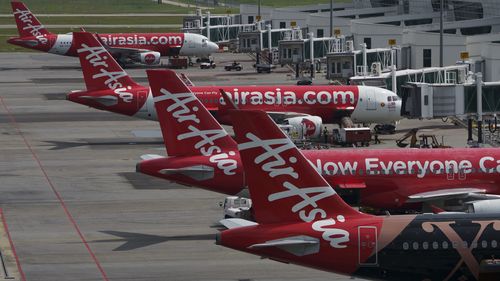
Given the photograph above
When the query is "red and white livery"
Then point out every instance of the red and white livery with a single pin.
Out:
(329, 104)
(145, 48)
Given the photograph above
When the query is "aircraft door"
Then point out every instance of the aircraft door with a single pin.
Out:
(371, 100)
(450, 174)
(461, 174)
(367, 246)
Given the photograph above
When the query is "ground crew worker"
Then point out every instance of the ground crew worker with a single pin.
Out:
(377, 141)
(325, 134)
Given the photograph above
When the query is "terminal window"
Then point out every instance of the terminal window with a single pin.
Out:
(282, 24)
(427, 58)
(368, 42)
(320, 33)
(250, 19)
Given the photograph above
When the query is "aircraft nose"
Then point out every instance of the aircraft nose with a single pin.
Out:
(213, 47)
(399, 106)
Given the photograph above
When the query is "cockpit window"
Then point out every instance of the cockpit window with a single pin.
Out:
(389, 98)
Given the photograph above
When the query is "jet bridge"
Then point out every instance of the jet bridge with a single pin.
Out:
(424, 100)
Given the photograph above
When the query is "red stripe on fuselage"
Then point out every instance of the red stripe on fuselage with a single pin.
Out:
(391, 175)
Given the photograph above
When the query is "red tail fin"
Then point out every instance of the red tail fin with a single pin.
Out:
(187, 126)
(283, 185)
(27, 24)
(100, 69)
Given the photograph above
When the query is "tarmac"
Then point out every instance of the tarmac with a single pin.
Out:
(73, 207)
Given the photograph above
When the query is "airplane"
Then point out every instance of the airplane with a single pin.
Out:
(300, 219)
(144, 48)
(287, 104)
(201, 154)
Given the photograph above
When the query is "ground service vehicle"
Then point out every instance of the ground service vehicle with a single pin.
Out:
(207, 65)
(235, 65)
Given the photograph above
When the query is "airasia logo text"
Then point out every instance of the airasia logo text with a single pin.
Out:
(97, 58)
(183, 112)
(27, 18)
(291, 97)
(141, 40)
(273, 163)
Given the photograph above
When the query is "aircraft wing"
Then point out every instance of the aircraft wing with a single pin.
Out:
(283, 115)
(446, 194)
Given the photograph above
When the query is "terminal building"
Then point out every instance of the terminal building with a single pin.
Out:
(386, 43)
(471, 26)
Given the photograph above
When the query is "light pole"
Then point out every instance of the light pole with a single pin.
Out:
(331, 18)
(258, 10)
(441, 51)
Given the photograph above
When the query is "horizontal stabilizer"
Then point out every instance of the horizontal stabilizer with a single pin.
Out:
(151, 156)
(444, 194)
(104, 100)
(297, 245)
(236, 223)
(199, 172)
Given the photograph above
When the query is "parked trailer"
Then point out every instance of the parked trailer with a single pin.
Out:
(177, 63)
(353, 136)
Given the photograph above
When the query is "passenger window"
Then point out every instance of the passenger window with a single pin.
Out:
(445, 245)
(484, 244)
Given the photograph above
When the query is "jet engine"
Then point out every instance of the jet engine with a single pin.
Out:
(483, 206)
(304, 127)
(150, 58)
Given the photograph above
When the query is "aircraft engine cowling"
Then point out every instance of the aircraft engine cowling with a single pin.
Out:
(150, 58)
(484, 206)
(305, 127)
